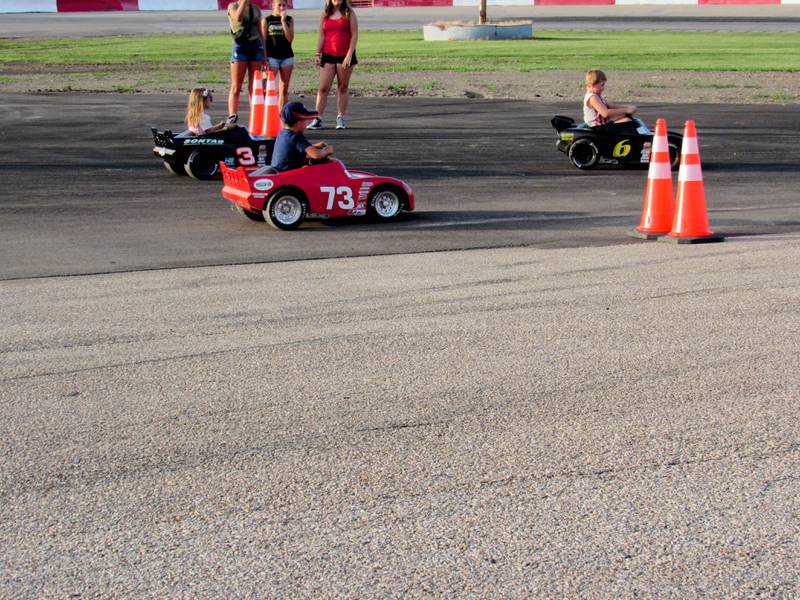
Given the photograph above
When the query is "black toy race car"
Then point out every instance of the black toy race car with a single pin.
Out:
(625, 144)
(199, 155)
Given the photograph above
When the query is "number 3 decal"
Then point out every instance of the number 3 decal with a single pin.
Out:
(246, 157)
(346, 202)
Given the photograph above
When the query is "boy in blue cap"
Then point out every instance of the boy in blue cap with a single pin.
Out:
(291, 146)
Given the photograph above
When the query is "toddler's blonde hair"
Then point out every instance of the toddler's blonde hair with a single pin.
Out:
(194, 111)
(593, 76)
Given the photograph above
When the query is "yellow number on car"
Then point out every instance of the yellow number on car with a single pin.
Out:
(621, 149)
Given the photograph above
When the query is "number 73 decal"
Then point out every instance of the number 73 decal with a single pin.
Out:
(345, 199)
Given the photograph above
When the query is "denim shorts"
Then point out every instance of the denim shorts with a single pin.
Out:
(278, 63)
(252, 51)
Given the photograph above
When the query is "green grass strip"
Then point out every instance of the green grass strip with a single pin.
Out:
(406, 51)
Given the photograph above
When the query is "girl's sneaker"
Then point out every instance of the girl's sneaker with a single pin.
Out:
(340, 122)
(315, 124)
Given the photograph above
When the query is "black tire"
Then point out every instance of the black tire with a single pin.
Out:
(583, 153)
(674, 156)
(253, 215)
(202, 165)
(286, 209)
(385, 202)
(174, 169)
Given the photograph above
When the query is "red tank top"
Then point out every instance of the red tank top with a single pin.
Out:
(336, 40)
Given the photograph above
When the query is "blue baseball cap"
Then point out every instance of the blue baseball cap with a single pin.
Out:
(294, 112)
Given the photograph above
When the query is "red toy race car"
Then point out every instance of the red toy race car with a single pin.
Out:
(321, 190)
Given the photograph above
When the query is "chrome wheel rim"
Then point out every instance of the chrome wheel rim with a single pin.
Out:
(287, 210)
(386, 204)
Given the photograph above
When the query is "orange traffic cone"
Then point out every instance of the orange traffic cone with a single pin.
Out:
(659, 205)
(256, 124)
(272, 117)
(690, 225)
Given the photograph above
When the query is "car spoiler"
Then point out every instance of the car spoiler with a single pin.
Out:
(236, 183)
(163, 139)
(560, 123)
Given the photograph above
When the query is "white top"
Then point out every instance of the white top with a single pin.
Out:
(205, 123)
(590, 115)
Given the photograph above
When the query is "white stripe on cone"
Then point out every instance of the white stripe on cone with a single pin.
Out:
(660, 144)
(272, 91)
(690, 173)
(690, 146)
(659, 170)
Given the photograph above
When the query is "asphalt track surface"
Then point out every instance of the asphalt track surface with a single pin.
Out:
(606, 422)
(87, 196)
(189, 407)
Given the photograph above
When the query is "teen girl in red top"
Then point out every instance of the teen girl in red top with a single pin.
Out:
(336, 56)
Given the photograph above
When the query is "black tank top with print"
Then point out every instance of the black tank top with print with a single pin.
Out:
(277, 44)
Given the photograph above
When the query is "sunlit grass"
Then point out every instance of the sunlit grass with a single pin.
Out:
(406, 51)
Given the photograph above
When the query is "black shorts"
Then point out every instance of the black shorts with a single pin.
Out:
(328, 59)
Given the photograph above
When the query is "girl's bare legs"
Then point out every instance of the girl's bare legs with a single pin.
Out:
(343, 80)
(253, 68)
(238, 71)
(326, 74)
(283, 90)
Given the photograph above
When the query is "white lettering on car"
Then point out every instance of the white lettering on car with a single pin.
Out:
(346, 201)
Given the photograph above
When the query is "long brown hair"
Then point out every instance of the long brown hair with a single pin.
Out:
(195, 109)
(344, 8)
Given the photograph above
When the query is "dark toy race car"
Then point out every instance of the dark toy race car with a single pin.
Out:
(322, 190)
(199, 155)
(624, 144)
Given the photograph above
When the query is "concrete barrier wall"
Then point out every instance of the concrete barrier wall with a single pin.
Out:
(11, 6)
(179, 4)
(18, 6)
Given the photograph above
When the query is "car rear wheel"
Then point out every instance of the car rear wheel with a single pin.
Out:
(202, 165)
(674, 156)
(286, 210)
(583, 154)
(253, 215)
(174, 169)
(385, 202)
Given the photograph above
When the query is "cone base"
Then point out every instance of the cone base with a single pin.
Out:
(707, 239)
(644, 235)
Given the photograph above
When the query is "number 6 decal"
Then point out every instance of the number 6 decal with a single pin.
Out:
(346, 202)
(622, 149)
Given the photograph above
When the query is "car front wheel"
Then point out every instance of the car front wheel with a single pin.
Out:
(202, 165)
(583, 154)
(285, 210)
(386, 202)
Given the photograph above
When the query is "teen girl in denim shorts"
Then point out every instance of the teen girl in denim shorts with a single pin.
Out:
(247, 56)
